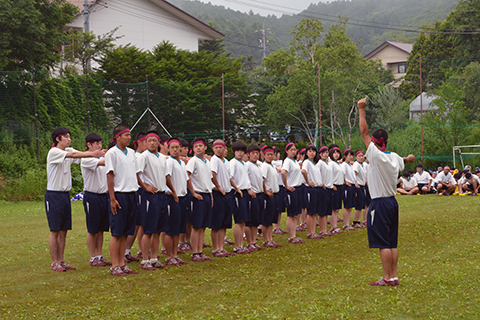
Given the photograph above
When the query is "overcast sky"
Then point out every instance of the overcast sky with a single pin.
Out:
(266, 7)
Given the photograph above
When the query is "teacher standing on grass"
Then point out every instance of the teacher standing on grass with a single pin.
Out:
(382, 217)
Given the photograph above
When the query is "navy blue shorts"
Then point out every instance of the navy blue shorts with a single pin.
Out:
(281, 200)
(304, 195)
(382, 223)
(360, 198)
(154, 214)
(349, 196)
(257, 206)
(337, 197)
(368, 199)
(312, 197)
(270, 215)
(176, 213)
(189, 203)
(96, 211)
(59, 210)
(293, 201)
(139, 210)
(222, 212)
(241, 212)
(202, 211)
(421, 185)
(123, 223)
(325, 201)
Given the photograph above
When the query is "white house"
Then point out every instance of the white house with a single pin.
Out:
(427, 104)
(145, 23)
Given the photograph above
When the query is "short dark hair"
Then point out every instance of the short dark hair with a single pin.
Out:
(163, 137)
(197, 139)
(92, 137)
(405, 174)
(253, 147)
(175, 138)
(184, 142)
(468, 175)
(154, 132)
(239, 146)
(381, 134)
(119, 129)
(58, 133)
(331, 151)
(140, 135)
(457, 175)
(277, 149)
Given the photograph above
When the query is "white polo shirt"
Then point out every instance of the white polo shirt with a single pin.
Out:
(338, 173)
(239, 174)
(124, 167)
(278, 164)
(94, 176)
(59, 173)
(349, 173)
(313, 173)
(424, 178)
(177, 170)
(222, 170)
(409, 184)
(255, 176)
(326, 172)
(152, 169)
(200, 174)
(360, 170)
(383, 172)
(446, 178)
(270, 177)
(294, 173)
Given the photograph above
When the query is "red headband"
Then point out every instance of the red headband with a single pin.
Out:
(288, 145)
(359, 151)
(135, 143)
(263, 147)
(336, 148)
(382, 143)
(219, 143)
(59, 135)
(301, 151)
(121, 132)
(267, 150)
(174, 140)
(152, 135)
(345, 152)
(322, 149)
(199, 141)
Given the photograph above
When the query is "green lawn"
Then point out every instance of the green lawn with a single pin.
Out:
(438, 269)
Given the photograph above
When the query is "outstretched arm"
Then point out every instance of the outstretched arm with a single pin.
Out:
(362, 123)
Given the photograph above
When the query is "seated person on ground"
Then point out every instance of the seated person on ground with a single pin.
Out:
(408, 184)
(446, 182)
(424, 180)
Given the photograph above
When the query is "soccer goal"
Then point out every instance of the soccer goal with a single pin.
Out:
(472, 151)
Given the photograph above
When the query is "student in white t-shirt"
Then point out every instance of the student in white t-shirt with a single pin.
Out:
(95, 200)
(446, 182)
(57, 198)
(382, 219)
(350, 191)
(313, 184)
(326, 193)
(424, 180)
(408, 184)
(338, 182)
(277, 164)
(360, 169)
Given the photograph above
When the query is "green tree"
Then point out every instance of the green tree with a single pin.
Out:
(32, 31)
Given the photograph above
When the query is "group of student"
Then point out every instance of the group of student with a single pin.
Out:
(442, 181)
(165, 199)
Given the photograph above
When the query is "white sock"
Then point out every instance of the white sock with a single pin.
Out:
(93, 258)
(127, 251)
(98, 257)
(144, 261)
(153, 260)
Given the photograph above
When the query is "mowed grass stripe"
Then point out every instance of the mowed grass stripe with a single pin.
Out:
(438, 270)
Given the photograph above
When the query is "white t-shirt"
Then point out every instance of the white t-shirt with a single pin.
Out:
(360, 170)
(58, 169)
(313, 173)
(424, 178)
(124, 167)
(222, 170)
(383, 172)
(446, 178)
(409, 184)
(338, 173)
(178, 175)
(255, 176)
(239, 174)
(349, 173)
(327, 173)
(294, 174)
(278, 164)
(152, 169)
(270, 177)
(200, 174)
(94, 176)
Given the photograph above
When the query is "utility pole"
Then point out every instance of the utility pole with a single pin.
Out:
(86, 21)
(263, 41)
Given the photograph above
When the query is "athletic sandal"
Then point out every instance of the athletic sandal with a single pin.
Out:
(299, 229)
(97, 263)
(146, 266)
(196, 258)
(241, 250)
(383, 282)
(397, 282)
(218, 254)
(206, 258)
(117, 271)
(164, 251)
(314, 236)
(180, 261)
(127, 270)
(277, 245)
(268, 244)
(67, 266)
(56, 266)
(228, 253)
(358, 226)
(158, 265)
(171, 262)
(325, 234)
(295, 240)
(348, 228)
(336, 230)
(107, 263)
(130, 258)
(228, 242)
(257, 246)
(139, 255)
(279, 231)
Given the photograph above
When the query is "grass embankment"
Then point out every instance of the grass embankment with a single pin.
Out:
(438, 269)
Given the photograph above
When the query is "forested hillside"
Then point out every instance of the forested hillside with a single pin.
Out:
(371, 22)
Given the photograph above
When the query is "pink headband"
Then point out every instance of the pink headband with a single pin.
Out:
(59, 135)
(301, 151)
(288, 145)
(359, 151)
(121, 132)
(263, 147)
(322, 149)
(267, 150)
(199, 141)
(345, 152)
(218, 143)
(174, 140)
(152, 135)
(336, 148)
(380, 142)
(135, 143)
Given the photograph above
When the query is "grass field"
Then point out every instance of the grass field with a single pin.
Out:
(438, 269)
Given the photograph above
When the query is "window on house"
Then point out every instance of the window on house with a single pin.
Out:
(402, 68)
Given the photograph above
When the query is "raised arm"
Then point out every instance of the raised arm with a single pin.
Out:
(362, 123)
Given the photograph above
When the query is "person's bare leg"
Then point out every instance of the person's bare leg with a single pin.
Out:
(53, 245)
(394, 262)
(414, 190)
(147, 245)
(99, 243)
(303, 217)
(365, 211)
(169, 246)
(238, 231)
(387, 263)
(175, 246)
(323, 223)
(292, 227)
(155, 245)
(402, 191)
(214, 236)
(333, 219)
(189, 232)
(116, 253)
(139, 238)
(131, 239)
(121, 252)
(311, 223)
(162, 238)
(221, 236)
(346, 216)
(92, 244)
(357, 215)
(267, 233)
(201, 239)
(195, 238)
